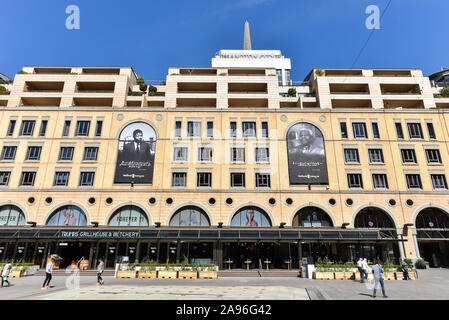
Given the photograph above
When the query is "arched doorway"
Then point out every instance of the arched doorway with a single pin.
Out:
(191, 216)
(432, 226)
(313, 217)
(129, 216)
(13, 216)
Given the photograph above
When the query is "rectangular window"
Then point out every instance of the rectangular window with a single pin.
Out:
(9, 152)
(413, 181)
(237, 180)
(4, 178)
(433, 156)
(279, 75)
(210, 129)
(204, 179)
(178, 128)
(352, 156)
(264, 129)
(99, 128)
(237, 154)
(262, 155)
(27, 178)
(249, 129)
(343, 130)
(375, 127)
(399, 131)
(180, 153)
(66, 129)
(194, 128)
(263, 180)
(431, 130)
(179, 179)
(359, 130)
(233, 126)
(33, 153)
(376, 156)
(204, 154)
(11, 127)
(438, 181)
(66, 153)
(82, 128)
(355, 180)
(27, 128)
(61, 178)
(408, 156)
(87, 178)
(90, 153)
(43, 128)
(415, 131)
(380, 181)
(287, 76)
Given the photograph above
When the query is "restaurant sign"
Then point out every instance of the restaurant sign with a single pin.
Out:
(99, 234)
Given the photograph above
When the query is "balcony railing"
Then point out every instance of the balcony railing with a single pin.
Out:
(401, 93)
(95, 91)
(440, 84)
(353, 92)
(247, 92)
(184, 91)
(294, 84)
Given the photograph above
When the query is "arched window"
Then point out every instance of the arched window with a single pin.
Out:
(432, 218)
(373, 218)
(68, 216)
(190, 216)
(312, 217)
(250, 217)
(129, 216)
(11, 216)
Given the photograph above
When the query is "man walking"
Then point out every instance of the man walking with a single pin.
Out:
(405, 269)
(48, 273)
(377, 271)
(365, 269)
(100, 270)
(6, 271)
(359, 266)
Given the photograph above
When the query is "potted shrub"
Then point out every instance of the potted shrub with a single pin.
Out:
(444, 92)
(143, 87)
(319, 72)
(3, 90)
(291, 92)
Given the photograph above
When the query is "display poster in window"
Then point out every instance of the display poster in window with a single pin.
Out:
(306, 155)
(136, 149)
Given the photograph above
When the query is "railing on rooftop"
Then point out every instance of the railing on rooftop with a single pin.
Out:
(441, 84)
(294, 84)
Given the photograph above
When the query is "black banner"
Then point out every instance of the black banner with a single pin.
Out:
(135, 160)
(306, 155)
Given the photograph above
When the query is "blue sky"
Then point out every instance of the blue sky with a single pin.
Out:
(153, 35)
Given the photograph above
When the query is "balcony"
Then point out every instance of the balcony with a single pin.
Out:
(403, 104)
(400, 89)
(101, 71)
(197, 72)
(52, 70)
(247, 88)
(247, 72)
(343, 73)
(95, 87)
(43, 86)
(391, 73)
(343, 88)
(248, 103)
(197, 87)
(41, 101)
(193, 102)
(92, 102)
(352, 104)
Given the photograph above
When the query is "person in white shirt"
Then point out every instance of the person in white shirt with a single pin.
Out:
(48, 273)
(5, 273)
(359, 266)
(365, 269)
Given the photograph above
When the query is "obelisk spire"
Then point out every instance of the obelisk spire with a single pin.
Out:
(246, 38)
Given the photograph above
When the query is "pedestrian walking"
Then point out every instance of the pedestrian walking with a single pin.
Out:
(6, 271)
(359, 266)
(377, 272)
(405, 269)
(365, 269)
(48, 273)
(100, 270)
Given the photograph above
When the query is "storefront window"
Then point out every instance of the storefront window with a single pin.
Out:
(432, 218)
(190, 216)
(251, 217)
(312, 217)
(129, 216)
(11, 216)
(68, 216)
(373, 218)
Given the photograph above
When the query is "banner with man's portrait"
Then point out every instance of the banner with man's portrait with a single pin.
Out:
(306, 155)
(136, 149)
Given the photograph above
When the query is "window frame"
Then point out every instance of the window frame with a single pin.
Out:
(232, 176)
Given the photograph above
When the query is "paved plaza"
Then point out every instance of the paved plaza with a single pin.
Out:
(432, 284)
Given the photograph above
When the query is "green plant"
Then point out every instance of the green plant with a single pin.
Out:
(445, 92)
(140, 80)
(73, 73)
(156, 94)
(2, 88)
(152, 89)
(143, 87)
(319, 72)
(420, 264)
(223, 74)
(174, 74)
(409, 263)
(291, 92)
(135, 93)
(163, 83)
(22, 72)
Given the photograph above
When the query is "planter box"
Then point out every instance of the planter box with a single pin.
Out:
(208, 275)
(399, 275)
(370, 276)
(16, 273)
(357, 276)
(147, 274)
(126, 274)
(186, 274)
(389, 276)
(339, 275)
(167, 274)
(413, 275)
(349, 275)
(323, 275)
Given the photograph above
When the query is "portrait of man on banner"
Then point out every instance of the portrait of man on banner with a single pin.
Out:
(136, 151)
(306, 155)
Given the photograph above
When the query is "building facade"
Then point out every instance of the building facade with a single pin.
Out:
(223, 165)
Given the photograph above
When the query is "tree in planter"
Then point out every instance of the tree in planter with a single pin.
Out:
(143, 87)
(140, 80)
(22, 72)
(445, 92)
(3, 90)
(319, 72)
(291, 92)
(420, 264)
(152, 89)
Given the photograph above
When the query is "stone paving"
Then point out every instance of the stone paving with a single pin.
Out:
(432, 284)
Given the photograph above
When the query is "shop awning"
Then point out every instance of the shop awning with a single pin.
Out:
(432, 234)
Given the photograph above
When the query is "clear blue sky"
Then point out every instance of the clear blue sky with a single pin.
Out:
(152, 35)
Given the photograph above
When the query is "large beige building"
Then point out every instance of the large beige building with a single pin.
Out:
(234, 165)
